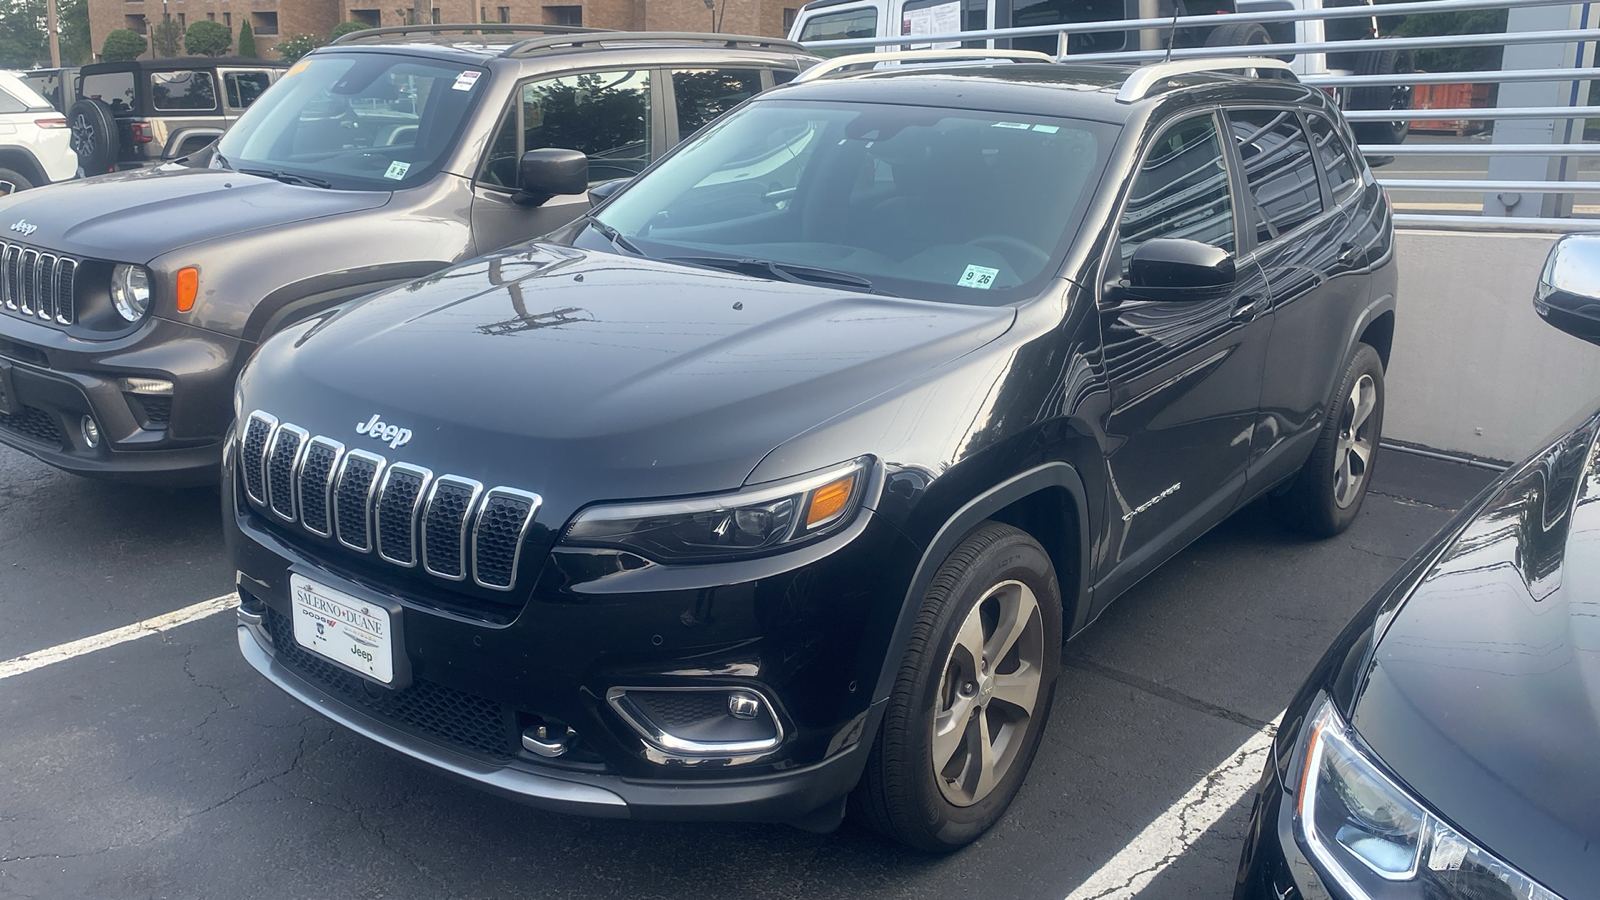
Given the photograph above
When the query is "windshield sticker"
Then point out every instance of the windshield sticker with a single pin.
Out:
(1021, 125)
(397, 170)
(1047, 129)
(980, 277)
(297, 68)
(466, 80)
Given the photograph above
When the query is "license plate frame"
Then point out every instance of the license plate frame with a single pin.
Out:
(358, 632)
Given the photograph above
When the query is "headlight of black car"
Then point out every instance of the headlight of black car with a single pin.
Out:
(130, 291)
(751, 522)
(1373, 838)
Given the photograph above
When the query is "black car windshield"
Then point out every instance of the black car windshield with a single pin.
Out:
(937, 204)
(355, 121)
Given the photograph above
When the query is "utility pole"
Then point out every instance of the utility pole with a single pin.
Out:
(55, 39)
(421, 12)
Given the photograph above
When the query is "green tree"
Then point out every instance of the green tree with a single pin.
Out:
(344, 28)
(207, 38)
(75, 42)
(1457, 59)
(247, 41)
(22, 34)
(166, 37)
(122, 45)
(293, 46)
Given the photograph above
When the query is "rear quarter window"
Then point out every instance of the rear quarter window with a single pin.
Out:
(115, 89)
(182, 91)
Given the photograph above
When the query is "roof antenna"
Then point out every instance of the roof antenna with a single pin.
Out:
(1172, 38)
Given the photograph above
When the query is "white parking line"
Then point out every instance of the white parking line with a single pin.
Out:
(63, 652)
(1161, 843)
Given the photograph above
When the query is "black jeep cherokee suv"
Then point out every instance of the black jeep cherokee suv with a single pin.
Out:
(783, 478)
(129, 302)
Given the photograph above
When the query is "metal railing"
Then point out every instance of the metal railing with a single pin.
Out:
(1404, 186)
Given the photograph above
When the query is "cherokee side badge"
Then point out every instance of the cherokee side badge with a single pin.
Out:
(375, 427)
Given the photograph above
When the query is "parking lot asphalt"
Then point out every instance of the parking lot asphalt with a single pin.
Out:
(163, 767)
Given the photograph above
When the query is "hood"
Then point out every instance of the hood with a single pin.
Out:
(1484, 691)
(137, 216)
(589, 377)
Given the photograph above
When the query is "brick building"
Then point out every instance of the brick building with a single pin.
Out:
(272, 19)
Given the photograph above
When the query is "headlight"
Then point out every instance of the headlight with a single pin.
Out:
(1372, 838)
(713, 529)
(130, 291)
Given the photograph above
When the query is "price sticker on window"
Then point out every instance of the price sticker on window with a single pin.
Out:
(980, 277)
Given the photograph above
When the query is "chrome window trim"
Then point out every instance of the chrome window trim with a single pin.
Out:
(294, 470)
(466, 529)
(379, 464)
(327, 484)
(534, 502)
(377, 506)
(271, 422)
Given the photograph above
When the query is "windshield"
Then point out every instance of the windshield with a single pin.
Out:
(937, 204)
(358, 121)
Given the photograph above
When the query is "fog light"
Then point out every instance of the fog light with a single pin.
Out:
(743, 706)
(158, 387)
(91, 432)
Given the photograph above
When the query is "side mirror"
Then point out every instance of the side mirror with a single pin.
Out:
(603, 191)
(1568, 295)
(1179, 269)
(546, 173)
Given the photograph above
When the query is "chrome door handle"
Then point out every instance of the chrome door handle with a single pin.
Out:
(1247, 308)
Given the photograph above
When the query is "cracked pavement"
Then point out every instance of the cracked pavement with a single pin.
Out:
(165, 768)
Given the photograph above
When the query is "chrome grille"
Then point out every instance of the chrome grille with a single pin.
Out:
(396, 517)
(38, 284)
(450, 524)
(282, 462)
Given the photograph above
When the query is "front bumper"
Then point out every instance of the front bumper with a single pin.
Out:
(807, 639)
(1273, 866)
(55, 380)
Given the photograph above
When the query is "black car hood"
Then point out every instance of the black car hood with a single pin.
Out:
(591, 376)
(139, 215)
(1484, 691)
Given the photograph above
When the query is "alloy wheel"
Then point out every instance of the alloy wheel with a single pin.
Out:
(988, 691)
(1352, 458)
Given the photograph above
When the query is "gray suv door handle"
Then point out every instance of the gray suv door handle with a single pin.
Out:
(1246, 308)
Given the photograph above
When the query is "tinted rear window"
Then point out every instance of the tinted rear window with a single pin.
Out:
(1279, 168)
(115, 89)
(180, 91)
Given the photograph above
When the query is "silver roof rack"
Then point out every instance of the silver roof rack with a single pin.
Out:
(453, 34)
(1143, 80)
(598, 38)
(839, 64)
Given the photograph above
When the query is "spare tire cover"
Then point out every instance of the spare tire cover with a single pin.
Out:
(94, 135)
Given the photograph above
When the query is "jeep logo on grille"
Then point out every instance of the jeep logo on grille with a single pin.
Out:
(23, 226)
(375, 427)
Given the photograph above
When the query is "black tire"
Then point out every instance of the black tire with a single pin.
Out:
(900, 794)
(94, 136)
(1238, 34)
(12, 181)
(1319, 502)
(1382, 62)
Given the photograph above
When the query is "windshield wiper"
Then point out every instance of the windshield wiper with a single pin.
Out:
(777, 271)
(288, 177)
(221, 160)
(614, 236)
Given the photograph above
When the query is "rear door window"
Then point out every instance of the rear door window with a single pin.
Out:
(1181, 190)
(701, 95)
(839, 26)
(182, 91)
(1279, 169)
(244, 87)
(1334, 157)
(10, 104)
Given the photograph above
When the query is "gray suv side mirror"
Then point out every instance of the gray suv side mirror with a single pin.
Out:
(1179, 269)
(547, 173)
(1568, 295)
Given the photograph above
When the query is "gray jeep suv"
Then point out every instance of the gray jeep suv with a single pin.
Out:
(129, 302)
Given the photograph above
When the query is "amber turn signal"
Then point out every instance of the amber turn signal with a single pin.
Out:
(829, 501)
(188, 288)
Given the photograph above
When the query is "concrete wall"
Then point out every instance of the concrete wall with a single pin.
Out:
(1474, 370)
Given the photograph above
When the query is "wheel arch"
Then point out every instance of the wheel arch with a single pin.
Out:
(1050, 504)
(23, 161)
(1379, 334)
(306, 297)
